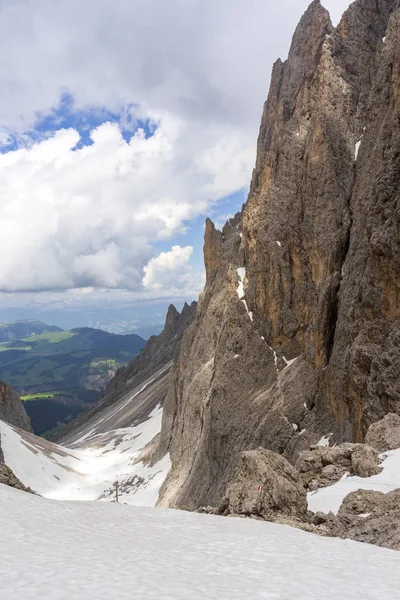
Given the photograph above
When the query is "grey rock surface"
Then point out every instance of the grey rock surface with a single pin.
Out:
(385, 434)
(12, 409)
(317, 248)
(266, 484)
(322, 466)
(7, 477)
(372, 517)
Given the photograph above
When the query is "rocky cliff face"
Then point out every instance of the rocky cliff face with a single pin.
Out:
(13, 412)
(159, 350)
(297, 333)
(12, 409)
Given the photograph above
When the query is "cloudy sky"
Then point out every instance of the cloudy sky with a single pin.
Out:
(122, 124)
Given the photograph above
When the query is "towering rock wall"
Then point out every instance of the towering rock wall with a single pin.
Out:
(12, 409)
(309, 271)
(13, 412)
(361, 383)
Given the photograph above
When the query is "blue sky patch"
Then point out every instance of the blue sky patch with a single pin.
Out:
(66, 115)
(225, 209)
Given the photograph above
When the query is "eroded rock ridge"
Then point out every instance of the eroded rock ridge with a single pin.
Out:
(297, 332)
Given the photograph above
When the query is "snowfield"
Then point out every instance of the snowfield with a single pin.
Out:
(89, 472)
(101, 551)
(330, 498)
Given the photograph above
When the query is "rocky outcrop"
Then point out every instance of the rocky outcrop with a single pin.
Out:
(212, 248)
(297, 331)
(372, 517)
(265, 485)
(385, 434)
(268, 487)
(12, 409)
(7, 477)
(322, 466)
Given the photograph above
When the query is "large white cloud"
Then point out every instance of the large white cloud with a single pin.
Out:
(87, 217)
(73, 218)
(169, 269)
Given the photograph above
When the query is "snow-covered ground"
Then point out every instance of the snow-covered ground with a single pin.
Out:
(99, 551)
(330, 498)
(89, 473)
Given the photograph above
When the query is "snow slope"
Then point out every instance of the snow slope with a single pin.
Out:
(134, 402)
(99, 551)
(330, 498)
(89, 472)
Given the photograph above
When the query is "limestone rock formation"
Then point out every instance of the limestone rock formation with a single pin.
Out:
(372, 517)
(297, 332)
(12, 409)
(322, 466)
(7, 477)
(13, 412)
(266, 484)
(385, 434)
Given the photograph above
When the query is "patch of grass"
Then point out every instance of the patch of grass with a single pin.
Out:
(79, 362)
(5, 348)
(40, 396)
(53, 337)
(108, 363)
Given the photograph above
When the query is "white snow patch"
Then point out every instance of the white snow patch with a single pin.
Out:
(295, 427)
(99, 551)
(365, 515)
(275, 356)
(63, 473)
(289, 363)
(384, 39)
(305, 405)
(279, 244)
(236, 356)
(86, 436)
(330, 498)
(324, 441)
(272, 350)
(358, 144)
(240, 290)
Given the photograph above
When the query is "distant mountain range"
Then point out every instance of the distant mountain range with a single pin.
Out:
(58, 373)
(18, 330)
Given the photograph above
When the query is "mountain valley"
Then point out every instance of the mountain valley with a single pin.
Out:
(59, 373)
(267, 414)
